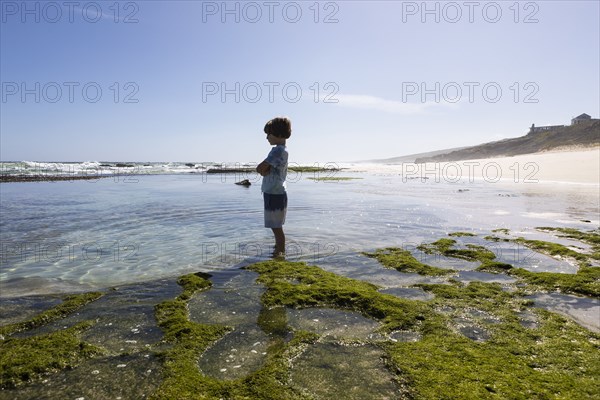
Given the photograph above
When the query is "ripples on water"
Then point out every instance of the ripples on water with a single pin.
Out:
(82, 234)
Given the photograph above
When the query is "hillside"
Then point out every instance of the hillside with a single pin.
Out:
(411, 157)
(581, 135)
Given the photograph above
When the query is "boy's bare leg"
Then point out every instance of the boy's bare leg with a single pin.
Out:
(279, 240)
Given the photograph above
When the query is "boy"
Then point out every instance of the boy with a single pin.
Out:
(274, 171)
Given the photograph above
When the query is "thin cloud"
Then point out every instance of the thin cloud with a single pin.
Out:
(367, 102)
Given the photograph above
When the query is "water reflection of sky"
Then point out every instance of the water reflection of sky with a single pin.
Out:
(109, 232)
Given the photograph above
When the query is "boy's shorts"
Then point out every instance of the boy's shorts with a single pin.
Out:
(275, 209)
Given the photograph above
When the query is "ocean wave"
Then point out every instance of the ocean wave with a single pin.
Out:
(41, 168)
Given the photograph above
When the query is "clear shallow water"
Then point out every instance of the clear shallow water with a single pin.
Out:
(583, 310)
(77, 235)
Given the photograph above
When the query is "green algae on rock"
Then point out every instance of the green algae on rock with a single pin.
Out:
(318, 288)
(332, 178)
(517, 362)
(188, 339)
(553, 249)
(24, 359)
(458, 234)
(183, 379)
(445, 247)
(299, 168)
(403, 261)
(493, 238)
(70, 304)
(585, 282)
(514, 362)
(592, 238)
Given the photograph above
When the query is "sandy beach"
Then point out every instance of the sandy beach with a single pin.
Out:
(564, 166)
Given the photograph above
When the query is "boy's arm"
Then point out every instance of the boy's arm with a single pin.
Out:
(263, 168)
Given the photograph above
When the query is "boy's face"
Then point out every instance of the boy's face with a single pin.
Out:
(273, 140)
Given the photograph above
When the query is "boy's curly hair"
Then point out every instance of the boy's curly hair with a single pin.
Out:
(280, 127)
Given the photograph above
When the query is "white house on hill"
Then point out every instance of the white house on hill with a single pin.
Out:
(574, 121)
(581, 118)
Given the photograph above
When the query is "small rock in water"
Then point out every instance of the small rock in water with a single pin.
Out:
(121, 365)
(245, 182)
(95, 372)
(223, 369)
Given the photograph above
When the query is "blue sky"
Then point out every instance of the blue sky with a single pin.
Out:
(376, 79)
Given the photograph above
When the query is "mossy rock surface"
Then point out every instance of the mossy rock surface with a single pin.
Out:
(554, 358)
(558, 357)
(403, 261)
(23, 359)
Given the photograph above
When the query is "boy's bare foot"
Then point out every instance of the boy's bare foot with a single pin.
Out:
(278, 255)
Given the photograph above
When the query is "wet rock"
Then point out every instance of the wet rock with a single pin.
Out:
(245, 183)
(528, 319)
(471, 329)
(409, 293)
(334, 371)
(337, 324)
(585, 311)
(236, 355)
